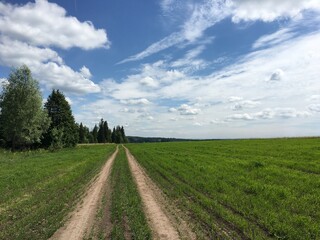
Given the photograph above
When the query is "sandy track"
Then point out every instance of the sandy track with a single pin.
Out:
(162, 223)
(83, 216)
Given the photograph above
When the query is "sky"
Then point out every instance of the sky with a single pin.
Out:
(174, 68)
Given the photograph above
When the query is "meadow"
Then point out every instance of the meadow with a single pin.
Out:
(240, 189)
(39, 188)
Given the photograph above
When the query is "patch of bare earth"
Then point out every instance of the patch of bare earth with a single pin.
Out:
(83, 217)
(164, 220)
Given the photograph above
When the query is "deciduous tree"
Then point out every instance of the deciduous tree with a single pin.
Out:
(23, 119)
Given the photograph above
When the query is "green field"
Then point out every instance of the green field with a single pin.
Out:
(242, 189)
(39, 188)
(127, 215)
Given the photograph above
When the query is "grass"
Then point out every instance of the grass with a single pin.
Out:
(39, 188)
(241, 189)
(127, 217)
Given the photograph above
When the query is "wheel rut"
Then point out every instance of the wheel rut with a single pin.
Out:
(164, 223)
(82, 218)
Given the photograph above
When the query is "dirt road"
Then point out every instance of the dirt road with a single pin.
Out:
(163, 225)
(82, 217)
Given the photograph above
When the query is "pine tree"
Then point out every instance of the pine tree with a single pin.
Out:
(95, 134)
(101, 132)
(105, 131)
(62, 120)
(113, 135)
(82, 136)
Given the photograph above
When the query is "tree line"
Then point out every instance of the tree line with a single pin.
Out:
(26, 123)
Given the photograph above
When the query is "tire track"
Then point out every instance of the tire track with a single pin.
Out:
(82, 217)
(162, 224)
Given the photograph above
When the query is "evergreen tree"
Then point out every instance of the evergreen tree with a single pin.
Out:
(109, 135)
(62, 119)
(113, 135)
(105, 131)
(23, 120)
(124, 138)
(82, 136)
(95, 134)
(101, 132)
(87, 134)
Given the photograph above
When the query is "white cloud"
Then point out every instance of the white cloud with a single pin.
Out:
(85, 72)
(245, 104)
(270, 114)
(141, 101)
(314, 107)
(277, 75)
(149, 81)
(63, 77)
(165, 43)
(204, 14)
(315, 97)
(26, 31)
(46, 24)
(274, 38)
(69, 100)
(252, 10)
(190, 62)
(234, 99)
(172, 110)
(16, 53)
(186, 109)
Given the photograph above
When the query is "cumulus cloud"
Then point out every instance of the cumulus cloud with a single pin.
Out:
(155, 76)
(149, 81)
(186, 109)
(16, 53)
(63, 77)
(85, 72)
(26, 33)
(46, 24)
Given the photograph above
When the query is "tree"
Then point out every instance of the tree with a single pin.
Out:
(62, 119)
(113, 135)
(82, 136)
(23, 120)
(123, 135)
(101, 132)
(105, 130)
(95, 134)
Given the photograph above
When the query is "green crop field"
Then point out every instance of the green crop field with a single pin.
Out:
(241, 189)
(127, 215)
(39, 188)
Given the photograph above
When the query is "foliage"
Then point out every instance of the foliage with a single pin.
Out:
(244, 189)
(62, 119)
(41, 187)
(23, 120)
(126, 206)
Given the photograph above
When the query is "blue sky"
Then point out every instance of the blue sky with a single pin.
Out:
(174, 68)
